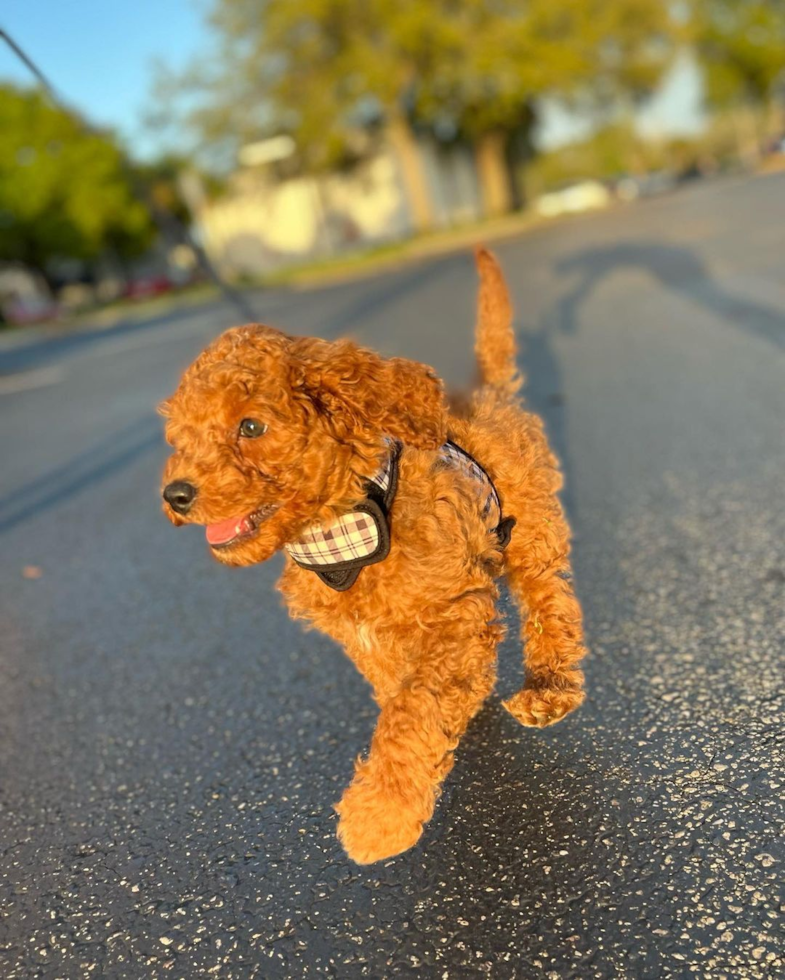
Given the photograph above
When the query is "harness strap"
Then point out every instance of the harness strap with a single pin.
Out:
(337, 552)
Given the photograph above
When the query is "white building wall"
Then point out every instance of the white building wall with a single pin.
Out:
(260, 224)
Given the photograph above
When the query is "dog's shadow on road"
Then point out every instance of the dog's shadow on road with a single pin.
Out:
(519, 803)
(516, 844)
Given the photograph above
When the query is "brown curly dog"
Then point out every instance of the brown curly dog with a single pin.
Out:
(396, 514)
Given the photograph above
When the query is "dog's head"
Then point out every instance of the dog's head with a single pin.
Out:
(274, 433)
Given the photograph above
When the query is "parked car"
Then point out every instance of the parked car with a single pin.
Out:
(584, 196)
(25, 311)
(144, 287)
(24, 297)
(630, 188)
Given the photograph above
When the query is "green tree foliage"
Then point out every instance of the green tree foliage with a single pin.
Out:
(741, 44)
(505, 54)
(610, 153)
(508, 56)
(63, 191)
(324, 69)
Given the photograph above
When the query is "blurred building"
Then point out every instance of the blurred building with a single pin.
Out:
(266, 219)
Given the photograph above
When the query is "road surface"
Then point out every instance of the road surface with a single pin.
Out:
(171, 744)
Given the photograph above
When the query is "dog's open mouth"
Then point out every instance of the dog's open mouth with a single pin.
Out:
(235, 529)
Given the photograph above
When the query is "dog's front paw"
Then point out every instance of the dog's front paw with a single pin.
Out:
(543, 706)
(374, 825)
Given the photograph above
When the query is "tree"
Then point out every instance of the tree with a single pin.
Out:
(323, 70)
(741, 45)
(591, 53)
(63, 191)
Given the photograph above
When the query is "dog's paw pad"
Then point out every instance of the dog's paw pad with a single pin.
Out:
(544, 706)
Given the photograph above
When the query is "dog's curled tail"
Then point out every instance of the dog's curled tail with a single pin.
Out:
(494, 343)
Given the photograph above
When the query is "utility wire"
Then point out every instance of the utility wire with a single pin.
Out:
(31, 65)
(162, 218)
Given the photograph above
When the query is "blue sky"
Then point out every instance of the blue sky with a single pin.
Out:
(99, 54)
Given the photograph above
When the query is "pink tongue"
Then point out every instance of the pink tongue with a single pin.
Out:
(226, 530)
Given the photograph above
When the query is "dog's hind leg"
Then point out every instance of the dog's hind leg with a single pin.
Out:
(395, 789)
(539, 573)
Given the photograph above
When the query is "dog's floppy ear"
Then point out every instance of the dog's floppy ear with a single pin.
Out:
(358, 390)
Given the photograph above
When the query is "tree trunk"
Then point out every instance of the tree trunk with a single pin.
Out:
(493, 172)
(519, 154)
(44, 276)
(747, 137)
(408, 152)
(775, 116)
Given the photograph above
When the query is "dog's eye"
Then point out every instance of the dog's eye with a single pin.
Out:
(252, 428)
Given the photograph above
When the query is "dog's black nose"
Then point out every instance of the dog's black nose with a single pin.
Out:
(180, 495)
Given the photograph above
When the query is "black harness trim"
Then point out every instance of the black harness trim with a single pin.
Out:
(377, 504)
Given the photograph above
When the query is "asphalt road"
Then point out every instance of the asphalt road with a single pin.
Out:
(171, 744)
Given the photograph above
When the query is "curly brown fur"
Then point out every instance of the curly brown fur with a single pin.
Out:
(421, 625)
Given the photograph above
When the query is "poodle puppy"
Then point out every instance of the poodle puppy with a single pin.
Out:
(397, 514)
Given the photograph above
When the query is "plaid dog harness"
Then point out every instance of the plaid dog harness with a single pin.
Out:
(337, 552)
